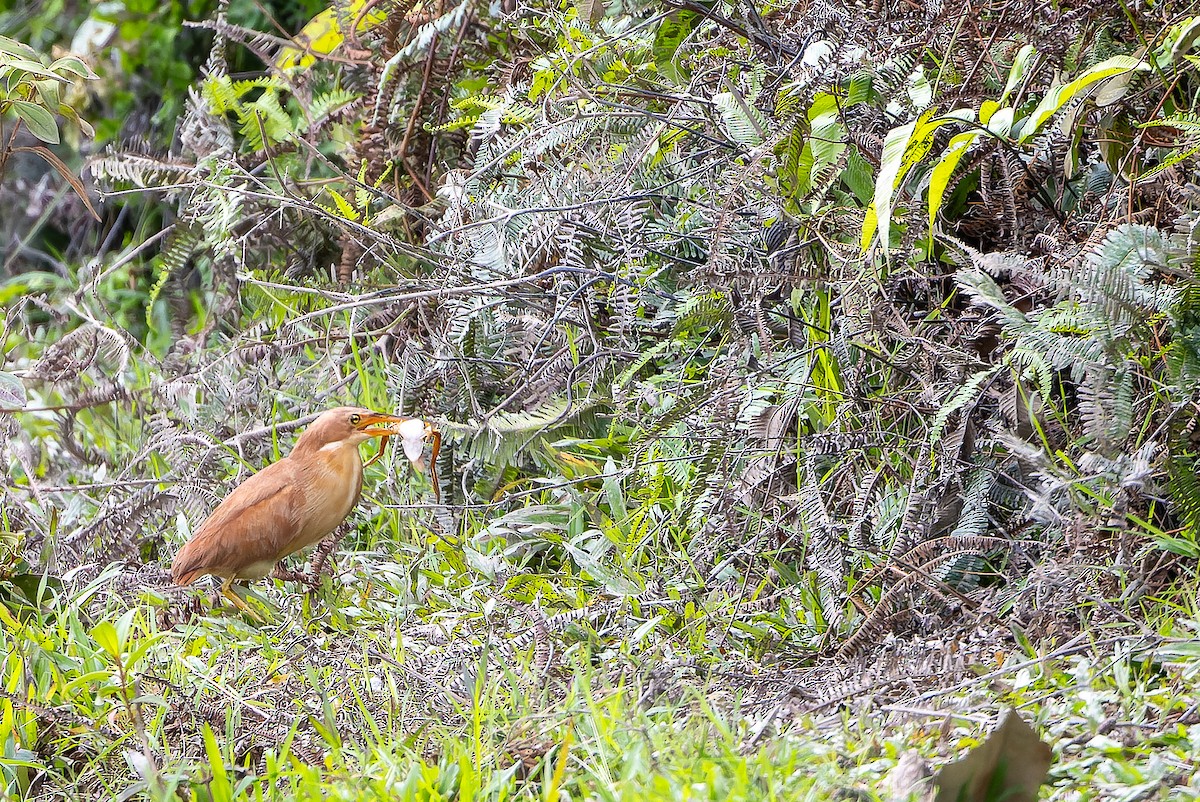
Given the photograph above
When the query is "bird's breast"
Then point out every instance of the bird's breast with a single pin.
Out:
(332, 487)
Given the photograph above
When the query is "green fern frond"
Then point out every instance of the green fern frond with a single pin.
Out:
(702, 311)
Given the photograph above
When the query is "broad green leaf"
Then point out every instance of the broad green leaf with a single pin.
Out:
(1017, 71)
(613, 580)
(1001, 122)
(824, 103)
(1057, 98)
(1188, 649)
(613, 492)
(940, 177)
(39, 121)
(671, 33)
(323, 34)
(986, 109)
(122, 627)
(48, 90)
(904, 147)
(15, 48)
(920, 91)
(70, 114)
(964, 114)
(1114, 88)
(870, 224)
(74, 65)
(30, 66)
(828, 140)
(105, 635)
(1181, 39)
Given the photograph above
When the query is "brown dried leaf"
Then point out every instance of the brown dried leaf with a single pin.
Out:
(1010, 765)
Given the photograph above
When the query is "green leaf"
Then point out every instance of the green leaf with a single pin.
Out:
(1177, 545)
(30, 66)
(1178, 40)
(612, 490)
(1056, 99)
(742, 121)
(986, 109)
(940, 177)
(48, 90)
(903, 148)
(40, 122)
(1017, 71)
(15, 48)
(12, 392)
(677, 26)
(74, 65)
(105, 635)
(343, 206)
(218, 787)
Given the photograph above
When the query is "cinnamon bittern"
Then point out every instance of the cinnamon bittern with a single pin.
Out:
(297, 501)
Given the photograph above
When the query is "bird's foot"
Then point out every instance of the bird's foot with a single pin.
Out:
(311, 578)
(287, 574)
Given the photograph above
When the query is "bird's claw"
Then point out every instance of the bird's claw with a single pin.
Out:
(287, 574)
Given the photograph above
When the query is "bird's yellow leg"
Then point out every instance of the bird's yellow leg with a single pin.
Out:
(238, 602)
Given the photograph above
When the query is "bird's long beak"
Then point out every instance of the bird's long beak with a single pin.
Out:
(380, 425)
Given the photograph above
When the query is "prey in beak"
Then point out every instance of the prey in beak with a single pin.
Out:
(413, 432)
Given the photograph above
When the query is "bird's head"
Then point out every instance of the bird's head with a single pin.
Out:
(354, 425)
(350, 425)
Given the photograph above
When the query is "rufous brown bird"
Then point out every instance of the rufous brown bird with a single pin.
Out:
(297, 501)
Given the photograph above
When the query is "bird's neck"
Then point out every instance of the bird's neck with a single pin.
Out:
(338, 463)
(334, 452)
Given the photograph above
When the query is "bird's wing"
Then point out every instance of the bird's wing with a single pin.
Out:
(254, 525)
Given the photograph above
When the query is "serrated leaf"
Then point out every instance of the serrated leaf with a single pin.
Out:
(344, 206)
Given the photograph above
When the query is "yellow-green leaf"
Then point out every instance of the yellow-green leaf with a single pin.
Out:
(942, 171)
(39, 121)
(323, 34)
(1057, 98)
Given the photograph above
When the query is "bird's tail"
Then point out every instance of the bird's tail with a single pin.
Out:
(184, 570)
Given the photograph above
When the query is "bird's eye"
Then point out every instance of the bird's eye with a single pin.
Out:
(355, 418)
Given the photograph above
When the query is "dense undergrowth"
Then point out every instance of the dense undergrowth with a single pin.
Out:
(817, 382)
